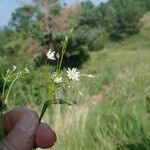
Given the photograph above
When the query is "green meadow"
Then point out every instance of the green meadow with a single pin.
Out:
(114, 113)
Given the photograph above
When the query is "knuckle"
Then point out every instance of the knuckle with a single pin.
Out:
(31, 113)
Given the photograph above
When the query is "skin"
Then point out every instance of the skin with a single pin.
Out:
(24, 132)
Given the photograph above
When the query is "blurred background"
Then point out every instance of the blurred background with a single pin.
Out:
(111, 41)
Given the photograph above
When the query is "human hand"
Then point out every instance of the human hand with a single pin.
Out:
(25, 132)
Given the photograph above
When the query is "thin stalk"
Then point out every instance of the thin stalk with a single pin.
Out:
(10, 87)
(62, 55)
(44, 108)
(5, 81)
(57, 68)
(4, 86)
(12, 83)
(65, 43)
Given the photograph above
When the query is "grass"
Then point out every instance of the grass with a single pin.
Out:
(121, 121)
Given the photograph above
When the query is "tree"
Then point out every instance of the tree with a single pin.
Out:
(128, 14)
(48, 10)
(23, 18)
(6, 35)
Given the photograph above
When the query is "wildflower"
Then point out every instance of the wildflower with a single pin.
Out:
(50, 54)
(14, 67)
(58, 80)
(26, 70)
(73, 74)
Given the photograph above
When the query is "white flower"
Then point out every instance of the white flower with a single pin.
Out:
(50, 54)
(58, 80)
(27, 70)
(14, 67)
(73, 74)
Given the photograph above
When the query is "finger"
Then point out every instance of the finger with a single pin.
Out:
(45, 136)
(22, 135)
(11, 118)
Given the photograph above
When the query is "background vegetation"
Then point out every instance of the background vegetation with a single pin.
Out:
(111, 42)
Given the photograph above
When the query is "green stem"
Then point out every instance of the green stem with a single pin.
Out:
(62, 55)
(64, 43)
(12, 83)
(4, 86)
(6, 99)
(57, 68)
(44, 108)
(9, 76)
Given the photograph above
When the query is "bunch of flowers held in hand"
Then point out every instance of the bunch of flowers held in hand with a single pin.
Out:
(58, 81)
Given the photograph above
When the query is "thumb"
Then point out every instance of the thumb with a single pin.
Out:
(22, 135)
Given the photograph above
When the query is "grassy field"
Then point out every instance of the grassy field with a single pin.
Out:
(113, 113)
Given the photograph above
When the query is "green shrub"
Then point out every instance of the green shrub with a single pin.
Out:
(128, 14)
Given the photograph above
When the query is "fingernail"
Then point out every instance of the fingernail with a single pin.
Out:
(26, 122)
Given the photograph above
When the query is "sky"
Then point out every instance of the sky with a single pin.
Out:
(8, 6)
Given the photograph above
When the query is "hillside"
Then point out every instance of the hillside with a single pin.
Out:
(112, 110)
(115, 113)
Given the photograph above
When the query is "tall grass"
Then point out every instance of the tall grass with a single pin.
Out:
(121, 120)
